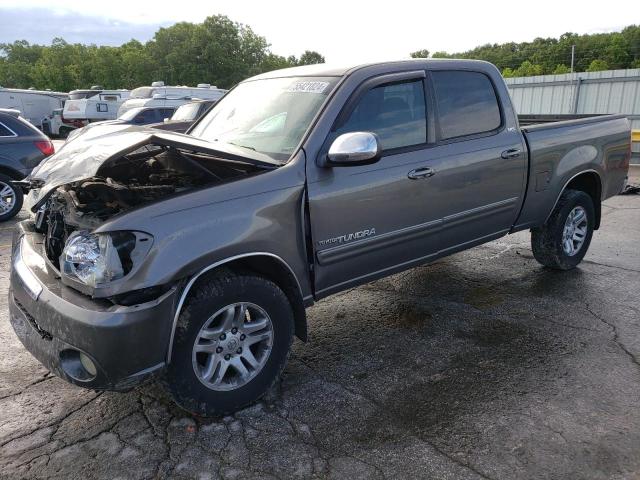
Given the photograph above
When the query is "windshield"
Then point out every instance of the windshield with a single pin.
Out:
(130, 114)
(141, 92)
(269, 116)
(186, 112)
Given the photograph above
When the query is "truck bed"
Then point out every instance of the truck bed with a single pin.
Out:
(535, 119)
(561, 150)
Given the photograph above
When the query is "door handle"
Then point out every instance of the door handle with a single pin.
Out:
(511, 153)
(423, 172)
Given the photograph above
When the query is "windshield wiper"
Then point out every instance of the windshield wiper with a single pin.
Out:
(242, 146)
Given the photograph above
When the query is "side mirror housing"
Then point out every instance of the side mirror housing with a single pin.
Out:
(354, 148)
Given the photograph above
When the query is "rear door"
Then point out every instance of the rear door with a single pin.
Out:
(369, 220)
(479, 159)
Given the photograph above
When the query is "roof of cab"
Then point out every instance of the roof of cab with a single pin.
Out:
(328, 70)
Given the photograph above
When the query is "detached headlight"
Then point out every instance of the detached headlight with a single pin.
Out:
(96, 259)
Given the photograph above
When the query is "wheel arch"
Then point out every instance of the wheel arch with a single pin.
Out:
(589, 182)
(11, 172)
(266, 264)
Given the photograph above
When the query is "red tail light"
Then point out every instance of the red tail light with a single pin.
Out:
(45, 146)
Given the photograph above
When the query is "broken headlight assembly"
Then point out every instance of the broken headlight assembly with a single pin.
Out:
(98, 259)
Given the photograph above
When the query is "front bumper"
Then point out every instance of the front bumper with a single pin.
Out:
(56, 323)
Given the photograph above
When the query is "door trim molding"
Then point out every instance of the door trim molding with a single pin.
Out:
(331, 255)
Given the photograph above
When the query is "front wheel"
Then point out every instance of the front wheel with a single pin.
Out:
(564, 240)
(231, 344)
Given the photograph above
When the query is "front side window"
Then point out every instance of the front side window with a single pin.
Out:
(269, 116)
(467, 103)
(395, 112)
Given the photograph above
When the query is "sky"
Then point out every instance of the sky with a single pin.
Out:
(342, 31)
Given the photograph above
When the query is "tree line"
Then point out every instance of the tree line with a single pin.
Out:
(218, 51)
(593, 52)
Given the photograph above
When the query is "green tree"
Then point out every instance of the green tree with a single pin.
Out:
(617, 49)
(310, 58)
(272, 61)
(420, 54)
(561, 68)
(597, 66)
(527, 69)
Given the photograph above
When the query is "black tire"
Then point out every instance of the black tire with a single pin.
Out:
(17, 198)
(208, 297)
(546, 241)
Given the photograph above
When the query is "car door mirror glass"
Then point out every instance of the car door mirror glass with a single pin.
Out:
(354, 148)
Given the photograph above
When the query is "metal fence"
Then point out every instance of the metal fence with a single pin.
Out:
(609, 91)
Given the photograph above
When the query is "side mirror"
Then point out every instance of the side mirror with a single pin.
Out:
(354, 148)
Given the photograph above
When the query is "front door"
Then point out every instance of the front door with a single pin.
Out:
(368, 221)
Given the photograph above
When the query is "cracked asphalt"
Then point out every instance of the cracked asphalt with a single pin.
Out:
(483, 365)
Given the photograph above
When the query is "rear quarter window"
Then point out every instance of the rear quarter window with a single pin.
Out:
(466, 102)
(5, 131)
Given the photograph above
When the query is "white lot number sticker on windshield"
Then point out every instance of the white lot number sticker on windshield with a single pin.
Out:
(308, 87)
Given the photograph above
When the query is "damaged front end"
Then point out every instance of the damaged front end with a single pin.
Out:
(81, 298)
(68, 209)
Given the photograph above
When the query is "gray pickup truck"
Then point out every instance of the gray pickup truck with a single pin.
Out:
(191, 258)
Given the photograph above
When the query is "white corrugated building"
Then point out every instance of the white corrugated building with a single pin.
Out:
(608, 91)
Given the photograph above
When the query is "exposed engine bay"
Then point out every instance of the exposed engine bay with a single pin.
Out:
(148, 174)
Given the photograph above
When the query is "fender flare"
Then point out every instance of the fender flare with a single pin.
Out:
(590, 170)
(195, 277)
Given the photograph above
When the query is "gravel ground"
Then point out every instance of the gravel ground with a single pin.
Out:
(482, 365)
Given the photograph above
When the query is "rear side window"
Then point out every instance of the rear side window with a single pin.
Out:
(6, 131)
(395, 112)
(467, 103)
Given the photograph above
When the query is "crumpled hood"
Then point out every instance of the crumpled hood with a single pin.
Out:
(83, 155)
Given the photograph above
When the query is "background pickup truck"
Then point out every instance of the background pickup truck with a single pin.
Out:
(193, 257)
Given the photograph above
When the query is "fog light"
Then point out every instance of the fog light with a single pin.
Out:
(77, 365)
(88, 364)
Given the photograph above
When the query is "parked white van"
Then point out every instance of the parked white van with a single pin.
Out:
(34, 105)
(159, 95)
(94, 104)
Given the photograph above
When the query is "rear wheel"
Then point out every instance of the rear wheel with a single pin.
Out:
(231, 344)
(11, 198)
(564, 240)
